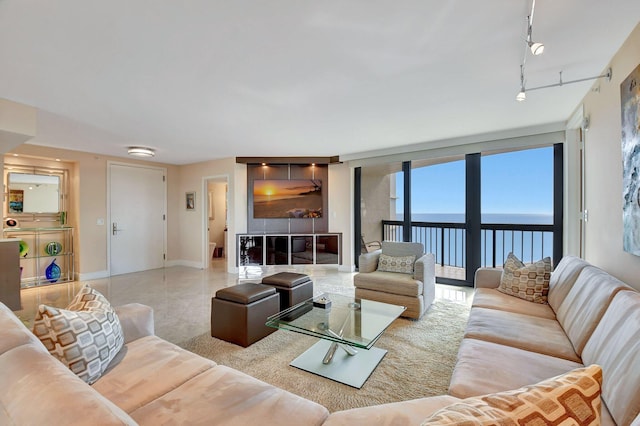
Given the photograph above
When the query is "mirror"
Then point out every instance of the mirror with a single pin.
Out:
(32, 193)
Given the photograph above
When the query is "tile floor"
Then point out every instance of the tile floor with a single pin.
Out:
(181, 296)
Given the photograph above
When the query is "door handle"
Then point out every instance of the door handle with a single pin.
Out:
(114, 228)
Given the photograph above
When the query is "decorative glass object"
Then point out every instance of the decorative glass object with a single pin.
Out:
(52, 272)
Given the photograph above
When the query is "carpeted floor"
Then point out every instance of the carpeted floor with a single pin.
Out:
(419, 363)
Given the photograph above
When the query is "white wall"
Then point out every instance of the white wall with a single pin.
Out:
(603, 169)
(341, 210)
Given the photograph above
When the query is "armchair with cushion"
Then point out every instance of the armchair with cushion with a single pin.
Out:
(400, 274)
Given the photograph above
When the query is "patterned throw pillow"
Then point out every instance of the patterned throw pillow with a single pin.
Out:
(528, 282)
(572, 398)
(401, 264)
(85, 337)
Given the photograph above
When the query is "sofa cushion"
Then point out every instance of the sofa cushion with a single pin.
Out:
(37, 389)
(85, 337)
(615, 345)
(389, 282)
(527, 332)
(410, 412)
(147, 369)
(491, 298)
(571, 398)
(563, 278)
(528, 282)
(487, 367)
(398, 264)
(585, 304)
(221, 395)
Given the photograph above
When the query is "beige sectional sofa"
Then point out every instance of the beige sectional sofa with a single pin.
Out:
(151, 381)
(591, 318)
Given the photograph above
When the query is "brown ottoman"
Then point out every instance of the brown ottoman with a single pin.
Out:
(239, 313)
(293, 288)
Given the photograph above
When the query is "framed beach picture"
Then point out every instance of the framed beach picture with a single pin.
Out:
(190, 199)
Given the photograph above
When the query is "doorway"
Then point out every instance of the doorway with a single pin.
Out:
(216, 222)
(137, 216)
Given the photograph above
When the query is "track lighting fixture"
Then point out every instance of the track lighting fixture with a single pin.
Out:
(536, 48)
(522, 95)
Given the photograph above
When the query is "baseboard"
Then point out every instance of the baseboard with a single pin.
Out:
(188, 263)
(92, 276)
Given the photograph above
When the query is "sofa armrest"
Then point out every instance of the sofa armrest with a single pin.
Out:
(487, 278)
(368, 262)
(425, 268)
(136, 320)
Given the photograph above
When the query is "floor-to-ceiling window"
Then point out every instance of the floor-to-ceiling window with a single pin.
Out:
(517, 189)
(438, 213)
(469, 211)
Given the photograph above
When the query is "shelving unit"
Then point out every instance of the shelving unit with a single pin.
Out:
(289, 249)
(35, 261)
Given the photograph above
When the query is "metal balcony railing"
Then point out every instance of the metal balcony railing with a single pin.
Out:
(447, 241)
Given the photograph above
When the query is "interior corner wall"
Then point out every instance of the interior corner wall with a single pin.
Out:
(375, 205)
(340, 210)
(193, 248)
(603, 169)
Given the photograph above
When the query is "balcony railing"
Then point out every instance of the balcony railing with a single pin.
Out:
(447, 241)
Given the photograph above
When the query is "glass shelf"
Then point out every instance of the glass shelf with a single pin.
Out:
(35, 259)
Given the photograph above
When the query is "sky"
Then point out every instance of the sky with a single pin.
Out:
(515, 182)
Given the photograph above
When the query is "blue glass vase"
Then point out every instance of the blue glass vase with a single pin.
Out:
(52, 272)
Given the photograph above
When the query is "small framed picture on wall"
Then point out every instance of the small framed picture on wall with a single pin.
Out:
(190, 199)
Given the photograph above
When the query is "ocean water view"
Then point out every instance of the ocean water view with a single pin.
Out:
(510, 218)
(448, 244)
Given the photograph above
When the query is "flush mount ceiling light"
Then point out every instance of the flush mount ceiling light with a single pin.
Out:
(140, 151)
(536, 49)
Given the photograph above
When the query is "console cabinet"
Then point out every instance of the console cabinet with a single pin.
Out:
(46, 254)
(289, 249)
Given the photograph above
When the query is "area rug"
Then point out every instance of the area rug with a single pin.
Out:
(419, 363)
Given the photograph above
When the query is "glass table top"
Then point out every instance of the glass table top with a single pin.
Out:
(355, 322)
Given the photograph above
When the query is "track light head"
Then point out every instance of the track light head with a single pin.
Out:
(522, 95)
(536, 48)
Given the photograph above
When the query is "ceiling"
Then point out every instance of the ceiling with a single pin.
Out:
(204, 79)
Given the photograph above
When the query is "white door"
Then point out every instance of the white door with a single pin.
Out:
(137, 213)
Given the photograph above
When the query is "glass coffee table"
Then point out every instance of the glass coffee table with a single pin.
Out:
(347, 328)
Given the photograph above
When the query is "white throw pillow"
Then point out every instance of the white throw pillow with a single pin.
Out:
(400, 264)
(528, 282)
(85, 337)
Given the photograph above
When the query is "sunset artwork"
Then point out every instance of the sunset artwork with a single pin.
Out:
(294, 198)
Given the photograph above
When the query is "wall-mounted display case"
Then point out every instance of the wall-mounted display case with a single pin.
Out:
(46, 254)
(289, 249)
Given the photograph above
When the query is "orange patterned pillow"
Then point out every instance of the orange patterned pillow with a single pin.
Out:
(572, 398)
(528, 282)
